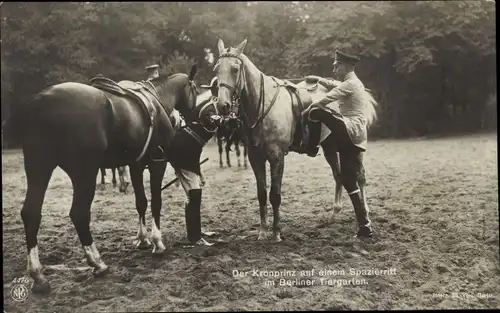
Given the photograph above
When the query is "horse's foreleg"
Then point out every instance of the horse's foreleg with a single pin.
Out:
(38, 177)
(103, 181)
(238, 152)
(228, 149)
(113, 170)
(245, 154)
(83, 179)
(122, 172)
(141, 204)
(332, 157)
(156, 170)
(258, 163)
(219, 143)
(277, 165)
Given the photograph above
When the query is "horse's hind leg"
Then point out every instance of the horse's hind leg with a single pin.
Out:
(228, 149)
(258, 163)
(238, 152)
(219, 143)
(332, 157)
(83, 179)
(38, 173)
(122, 172)
(103, 181)
(156, 170)
(141, 204)
(245, 154)
(113, 170)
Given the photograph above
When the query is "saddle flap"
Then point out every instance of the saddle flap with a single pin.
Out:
(146, 100)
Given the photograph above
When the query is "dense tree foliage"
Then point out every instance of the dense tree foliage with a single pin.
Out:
(431, 64)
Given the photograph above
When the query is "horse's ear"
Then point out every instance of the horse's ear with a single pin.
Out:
(193, 72)
(220, 46)
(241, 46)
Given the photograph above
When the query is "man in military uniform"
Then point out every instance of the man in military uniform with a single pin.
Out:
(153, 71)
(349, 131)
(184, 155)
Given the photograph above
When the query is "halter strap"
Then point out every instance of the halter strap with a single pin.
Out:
(261, 101)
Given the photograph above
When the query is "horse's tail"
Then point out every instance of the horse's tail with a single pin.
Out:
(370, 108)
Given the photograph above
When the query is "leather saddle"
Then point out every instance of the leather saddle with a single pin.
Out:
(139, 92)
(302, 98)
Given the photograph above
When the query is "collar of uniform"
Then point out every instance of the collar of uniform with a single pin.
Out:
(350, 75)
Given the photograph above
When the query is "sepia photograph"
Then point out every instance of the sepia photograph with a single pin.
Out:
(249, 156)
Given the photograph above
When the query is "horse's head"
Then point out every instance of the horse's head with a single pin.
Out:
(178, 91)
(230, 75)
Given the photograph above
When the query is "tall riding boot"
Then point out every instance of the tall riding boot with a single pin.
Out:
(193, 218)
(312, 146)
(365, 229)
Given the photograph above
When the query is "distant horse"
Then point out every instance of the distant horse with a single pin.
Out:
(231, 132)
(271, 113)
(122, 171)
(81, 128)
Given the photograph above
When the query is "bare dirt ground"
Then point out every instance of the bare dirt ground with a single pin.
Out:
(434, 205)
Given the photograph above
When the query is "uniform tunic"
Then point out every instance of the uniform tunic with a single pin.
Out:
(351, 97)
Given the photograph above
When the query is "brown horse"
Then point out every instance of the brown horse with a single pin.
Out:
(271, 115)
(231, 133)
(81, 128)
(122, 171)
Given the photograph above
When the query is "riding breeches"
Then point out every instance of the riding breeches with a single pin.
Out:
(189, 180)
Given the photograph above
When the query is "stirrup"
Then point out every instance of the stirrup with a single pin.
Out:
(162, 153)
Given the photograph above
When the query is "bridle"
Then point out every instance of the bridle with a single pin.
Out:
(238, 88)
(235, 90)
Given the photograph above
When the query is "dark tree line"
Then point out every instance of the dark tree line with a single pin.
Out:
(432, 64)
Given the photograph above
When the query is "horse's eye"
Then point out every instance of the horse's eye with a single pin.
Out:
(235, 68)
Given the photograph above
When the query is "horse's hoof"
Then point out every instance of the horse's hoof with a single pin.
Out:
(337, 208)
(143, 245)
(41, 288)
(276, 238)
(158, 252)
(101, 272)
(262, 236)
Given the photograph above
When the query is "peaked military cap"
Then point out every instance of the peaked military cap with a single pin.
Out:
(152, 67)
(345, 58)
